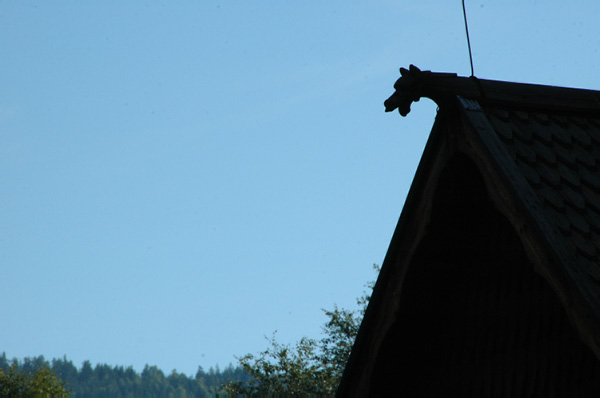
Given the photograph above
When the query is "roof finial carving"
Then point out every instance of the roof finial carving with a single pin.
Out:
(414, 84)
(408, 90)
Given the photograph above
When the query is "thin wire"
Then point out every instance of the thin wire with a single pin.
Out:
(468, 40)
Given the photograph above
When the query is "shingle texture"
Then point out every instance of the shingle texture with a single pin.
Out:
(559, 155)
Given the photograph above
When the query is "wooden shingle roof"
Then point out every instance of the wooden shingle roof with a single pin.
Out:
(558, 155)
(538, 150)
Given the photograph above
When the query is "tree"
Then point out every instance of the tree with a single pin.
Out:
(340, 332)
(310, 366)
(45, 381)
(12, 383)
(16, 384)
(282, 369)
(104, 381)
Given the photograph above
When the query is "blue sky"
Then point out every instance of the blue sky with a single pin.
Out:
(180, 179)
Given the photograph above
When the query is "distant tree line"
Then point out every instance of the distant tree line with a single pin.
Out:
(104, 381)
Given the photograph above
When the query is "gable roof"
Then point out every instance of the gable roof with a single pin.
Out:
(538, 150)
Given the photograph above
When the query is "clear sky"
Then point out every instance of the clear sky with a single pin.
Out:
(180, 179)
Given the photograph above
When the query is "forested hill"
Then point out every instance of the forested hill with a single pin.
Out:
(104, 381)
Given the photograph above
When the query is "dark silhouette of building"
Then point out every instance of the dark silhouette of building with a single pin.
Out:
(491, 283)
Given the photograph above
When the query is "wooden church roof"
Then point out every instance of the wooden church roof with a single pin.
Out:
(537, 149)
